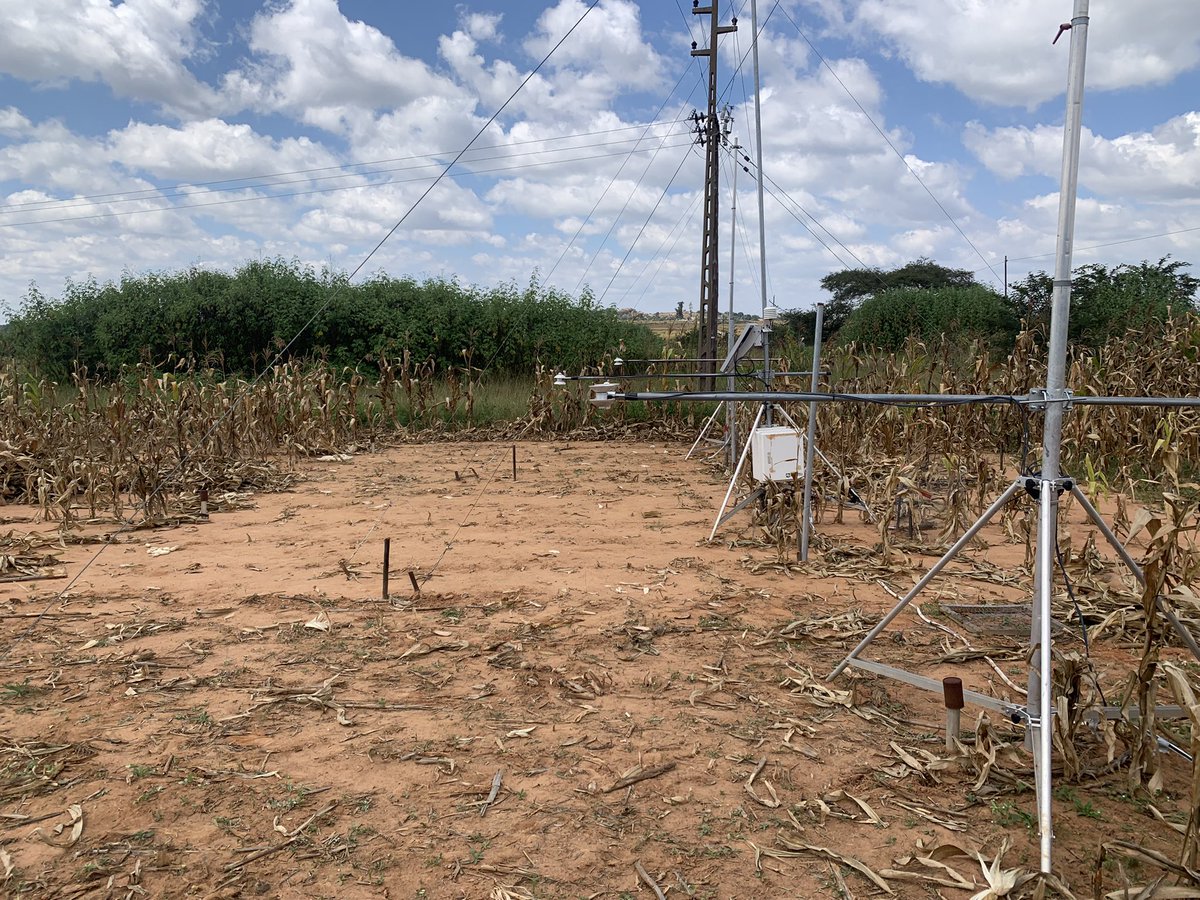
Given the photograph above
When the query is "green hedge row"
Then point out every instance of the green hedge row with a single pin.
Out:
(235, 321)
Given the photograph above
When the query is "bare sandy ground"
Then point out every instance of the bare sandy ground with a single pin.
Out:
(581, 687)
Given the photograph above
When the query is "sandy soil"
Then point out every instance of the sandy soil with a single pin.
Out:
(233, 710)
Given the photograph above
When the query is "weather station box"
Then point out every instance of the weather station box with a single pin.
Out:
(777, 452)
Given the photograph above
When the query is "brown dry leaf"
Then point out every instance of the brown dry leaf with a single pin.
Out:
(948, 822)
(1154, 891)
(1157, 813)
(935, 857)
(1001, 882)
(857, 865)
(75, 811)
(509, 893)
(6, 861)
(872, 816)
(1151, 857)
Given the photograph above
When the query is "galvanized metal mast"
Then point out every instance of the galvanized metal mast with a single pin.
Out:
(708, 128)
(1057, 396)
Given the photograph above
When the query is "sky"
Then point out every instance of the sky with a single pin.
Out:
(160, 135)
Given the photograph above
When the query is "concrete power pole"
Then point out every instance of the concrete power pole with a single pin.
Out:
(709, 134)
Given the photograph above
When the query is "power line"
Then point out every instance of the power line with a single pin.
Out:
(1132, 240)
(744, 56)
(303, 328)
(642, 230)
(617, 175)
(776, 196)
(612, 226)
(888, 140)
(658, 254)
(154, 193)
(330, 190)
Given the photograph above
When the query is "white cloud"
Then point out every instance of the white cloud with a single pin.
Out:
(307, 69)
(13, 123)
(604, 56)
(211, 149)
(481, 26)
(317, 65)
(139, 48)
(1162, 164)
(607, 42)
(1001, 53)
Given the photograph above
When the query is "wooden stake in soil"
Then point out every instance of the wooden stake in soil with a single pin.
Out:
(415, 584)
(387, 558)
(514, 462)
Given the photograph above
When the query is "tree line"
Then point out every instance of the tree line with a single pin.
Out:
(237, 321)
(883, 308)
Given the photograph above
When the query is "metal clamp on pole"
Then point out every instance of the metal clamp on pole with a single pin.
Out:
(1041, 398)
(604, 394)
(1033, 486)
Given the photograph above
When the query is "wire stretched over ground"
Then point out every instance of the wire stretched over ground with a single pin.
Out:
(888, 141)
(28, 630)
(346, 170)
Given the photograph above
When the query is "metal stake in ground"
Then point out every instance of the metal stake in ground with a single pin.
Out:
(387, 558)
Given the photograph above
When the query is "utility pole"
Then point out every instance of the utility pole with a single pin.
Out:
(731, 408)
(709, 135)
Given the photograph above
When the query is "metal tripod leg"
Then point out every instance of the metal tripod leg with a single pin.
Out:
(704, 431)
(1182, 630)
(736, 472)
(928, 577)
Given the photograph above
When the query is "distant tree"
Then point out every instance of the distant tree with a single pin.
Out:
(1105, 301)
(679, 310)
(850, 287)
(889, 318)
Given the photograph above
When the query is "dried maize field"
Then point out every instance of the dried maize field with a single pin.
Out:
(572, 694)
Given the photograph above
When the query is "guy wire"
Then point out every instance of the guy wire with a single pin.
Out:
(23, 636)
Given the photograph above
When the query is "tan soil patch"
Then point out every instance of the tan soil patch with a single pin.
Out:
(241, 717)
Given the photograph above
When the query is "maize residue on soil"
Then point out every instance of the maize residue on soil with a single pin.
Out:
(583, 700)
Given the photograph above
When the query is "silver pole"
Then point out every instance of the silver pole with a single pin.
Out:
(762, 221)
(967, 537)
(806, 522)
(1040, 674)
(731, 408)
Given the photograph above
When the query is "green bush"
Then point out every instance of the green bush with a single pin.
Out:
(891, 317)
(237, 321)
(1106, 303)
